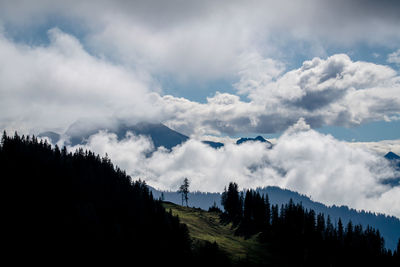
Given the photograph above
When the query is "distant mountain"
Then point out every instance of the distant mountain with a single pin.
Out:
(258, 138)
(213, 144)
(394, 160)
(392, 156)
(389, 226)
(159, 133)
(54, 137)
(239, 141)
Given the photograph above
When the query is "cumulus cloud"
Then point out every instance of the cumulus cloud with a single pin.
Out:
(380, 147)
(134, 44)
(52, 86)
(302, 159)
(61, 83)
(332, 91)
(126, 153)
(199, 42)
(394, 57)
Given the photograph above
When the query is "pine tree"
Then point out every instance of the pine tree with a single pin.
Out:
(274, 215)
(232, 202)
(184, 190)
(4, 137)
(267, 210)
(398, 247)
(340, 231)
(320, 224)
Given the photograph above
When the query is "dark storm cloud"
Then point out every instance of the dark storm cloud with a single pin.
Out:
(274, 123)
(384, 9)
(318, 99)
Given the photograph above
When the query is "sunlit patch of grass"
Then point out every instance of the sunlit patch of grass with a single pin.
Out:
(207, 226)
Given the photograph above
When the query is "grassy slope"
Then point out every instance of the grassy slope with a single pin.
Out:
(206, 226)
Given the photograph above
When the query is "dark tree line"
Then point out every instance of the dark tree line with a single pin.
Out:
(299, 237)
(60, 206)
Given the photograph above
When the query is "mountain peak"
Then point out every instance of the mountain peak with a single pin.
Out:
(258, 138)
(392, 156)
(160, 134)
(54, 137)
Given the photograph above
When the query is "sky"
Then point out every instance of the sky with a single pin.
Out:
(223, 69)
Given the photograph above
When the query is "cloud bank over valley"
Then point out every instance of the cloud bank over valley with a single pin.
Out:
(328, 170)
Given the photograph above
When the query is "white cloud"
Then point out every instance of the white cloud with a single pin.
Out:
(52, 86)
(335, 91)
(299, 126)
(380, 147)
(330, 171)
(330, 79)
(205, 40)
(127, 153)
(133, 44)
(394, 57)
(199, 42)
(332, 91)
(257, 72)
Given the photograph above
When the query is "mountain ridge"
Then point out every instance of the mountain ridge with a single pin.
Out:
(259, 138)
(160, 134)
(392, 156)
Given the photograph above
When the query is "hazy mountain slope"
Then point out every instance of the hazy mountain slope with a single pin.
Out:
(159, 133)
(54, 137)
(394, 161)
(202, 200)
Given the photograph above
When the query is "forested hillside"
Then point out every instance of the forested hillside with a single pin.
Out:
(68, 205)
(299, 237)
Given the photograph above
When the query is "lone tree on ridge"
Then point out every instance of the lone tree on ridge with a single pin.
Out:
(184, 191)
